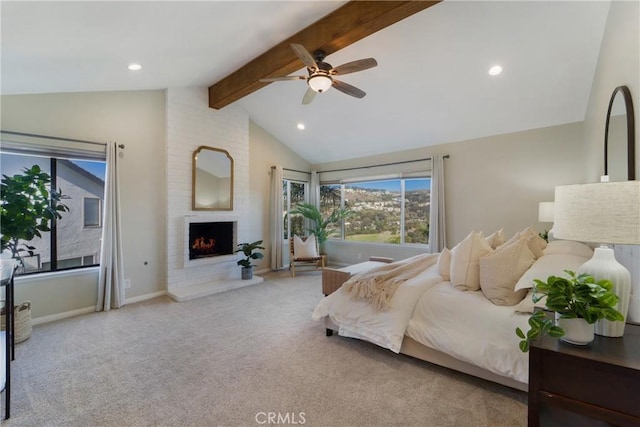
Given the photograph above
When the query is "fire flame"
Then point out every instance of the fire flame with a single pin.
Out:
(200, 244)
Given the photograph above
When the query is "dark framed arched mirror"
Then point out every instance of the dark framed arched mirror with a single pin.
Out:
(619, 137)
(212, 180)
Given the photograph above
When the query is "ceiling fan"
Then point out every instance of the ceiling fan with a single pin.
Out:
(320, 77)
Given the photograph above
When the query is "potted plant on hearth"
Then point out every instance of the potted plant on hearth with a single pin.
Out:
(578, 302)
(250, 251)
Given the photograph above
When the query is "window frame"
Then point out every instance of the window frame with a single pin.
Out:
(286, 206)
(84, 212)
(402, 228)
(52, 235)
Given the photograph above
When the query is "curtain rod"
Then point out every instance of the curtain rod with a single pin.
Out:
(292, 170)
(58, 138)
(383, 164)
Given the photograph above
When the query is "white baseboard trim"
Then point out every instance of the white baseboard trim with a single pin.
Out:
(64, 315)
(92, 309)
(144, 297)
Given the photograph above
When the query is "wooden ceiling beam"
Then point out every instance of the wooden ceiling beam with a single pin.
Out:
(349, 23)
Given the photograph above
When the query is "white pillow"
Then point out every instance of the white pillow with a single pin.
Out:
(444, 264)
(501, 269)
(496, 239)
(568, 247)
(528, 306)
(465, 267)
(305, 249)
(550, 265)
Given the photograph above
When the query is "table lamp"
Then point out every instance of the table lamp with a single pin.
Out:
(545, 211)
(606, 213)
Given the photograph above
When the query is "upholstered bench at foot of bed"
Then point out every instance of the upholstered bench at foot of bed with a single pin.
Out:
(333, 278)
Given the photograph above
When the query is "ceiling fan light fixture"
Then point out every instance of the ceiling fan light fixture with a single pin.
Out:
(320, 82)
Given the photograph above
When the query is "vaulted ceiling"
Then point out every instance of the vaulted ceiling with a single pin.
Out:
(431, 85)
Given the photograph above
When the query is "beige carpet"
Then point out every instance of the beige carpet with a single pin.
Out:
(230, 360)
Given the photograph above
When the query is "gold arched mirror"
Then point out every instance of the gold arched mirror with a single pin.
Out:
(212, 180)
(619, 137)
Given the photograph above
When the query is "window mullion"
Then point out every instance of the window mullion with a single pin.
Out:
(402, 211)
(53, 234)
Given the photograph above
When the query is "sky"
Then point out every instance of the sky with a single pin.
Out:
(95, 168)
(394, 184)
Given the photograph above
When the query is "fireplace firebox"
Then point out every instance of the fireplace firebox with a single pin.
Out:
(210, 239)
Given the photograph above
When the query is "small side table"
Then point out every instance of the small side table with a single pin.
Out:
(7, 268)
(594, 385)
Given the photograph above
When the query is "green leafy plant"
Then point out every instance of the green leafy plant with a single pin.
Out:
(545, 235)
(250, 251)
(27, 209)
(320, 223)
(578, 296)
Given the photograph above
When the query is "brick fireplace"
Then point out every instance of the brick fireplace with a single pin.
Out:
(191, 124)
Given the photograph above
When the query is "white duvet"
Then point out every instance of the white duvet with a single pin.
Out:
(469, 327)
(357, 319)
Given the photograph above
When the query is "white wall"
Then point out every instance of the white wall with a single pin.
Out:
(136, 119)
(490, 183)
(618, 65)
(265, 152)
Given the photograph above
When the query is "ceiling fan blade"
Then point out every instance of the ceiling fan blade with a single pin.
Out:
(348, 89)
(352, 67)
(279, 79)
(308, 96)
(304, 56)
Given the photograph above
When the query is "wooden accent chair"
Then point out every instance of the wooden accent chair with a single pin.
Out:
(309, 261)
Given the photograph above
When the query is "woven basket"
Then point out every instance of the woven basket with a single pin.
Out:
(22, 321)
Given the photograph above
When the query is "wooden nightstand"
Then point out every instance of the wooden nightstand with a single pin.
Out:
(595, 385)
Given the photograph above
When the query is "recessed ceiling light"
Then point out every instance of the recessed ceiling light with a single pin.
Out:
(495, 70)
(301, 126)
(134, 67)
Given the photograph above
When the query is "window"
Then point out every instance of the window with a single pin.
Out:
(331, 199)
(73, 240)
(294, 193)
(383, 211)
(92, 212)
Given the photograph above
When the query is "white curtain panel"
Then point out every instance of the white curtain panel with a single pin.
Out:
(437, 225)
(314, 189)
(277, 227)
(111, 277)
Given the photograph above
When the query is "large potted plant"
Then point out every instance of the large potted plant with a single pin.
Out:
(578, 302)
(320, 223)
(250, 251)
(27, 208)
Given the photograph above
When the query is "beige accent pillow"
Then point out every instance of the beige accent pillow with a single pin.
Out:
(305, 249)
(537, 245)
(465, 269)
(535, 242)
(500, 270)
(496, 239)
(444, 264)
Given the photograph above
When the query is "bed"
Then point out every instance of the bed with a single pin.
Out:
(431, 319)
